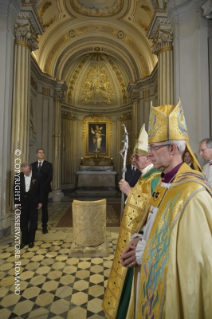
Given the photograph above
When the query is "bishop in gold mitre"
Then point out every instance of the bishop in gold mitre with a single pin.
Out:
(175, 272)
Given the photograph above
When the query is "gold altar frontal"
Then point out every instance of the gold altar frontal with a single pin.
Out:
(89, 229)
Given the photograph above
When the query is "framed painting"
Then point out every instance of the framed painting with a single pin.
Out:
(97, 134)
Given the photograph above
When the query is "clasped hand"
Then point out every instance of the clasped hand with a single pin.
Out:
(128, 257)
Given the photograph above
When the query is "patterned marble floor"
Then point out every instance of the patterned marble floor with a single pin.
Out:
(52, 284)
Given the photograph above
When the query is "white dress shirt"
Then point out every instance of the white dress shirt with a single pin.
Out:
(40, 162)
(27, 181)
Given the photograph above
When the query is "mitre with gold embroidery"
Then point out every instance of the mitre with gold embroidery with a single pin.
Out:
(167, 122)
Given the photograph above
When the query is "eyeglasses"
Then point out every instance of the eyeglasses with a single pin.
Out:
(153, 148)
(202, 150)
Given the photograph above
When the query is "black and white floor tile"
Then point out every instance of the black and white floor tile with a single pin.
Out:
(52, 284)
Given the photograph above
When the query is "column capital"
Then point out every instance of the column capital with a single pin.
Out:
(160, 31)
(58, 94)
(207, 9)
(59, 90)
(28, 26)
(135, 96)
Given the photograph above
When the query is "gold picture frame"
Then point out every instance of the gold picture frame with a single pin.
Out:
(97, 132)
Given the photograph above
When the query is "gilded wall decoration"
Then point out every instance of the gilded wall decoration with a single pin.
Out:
(148, 10)
(47, 12)
(97, 133)
(97, 86)
(96, 28)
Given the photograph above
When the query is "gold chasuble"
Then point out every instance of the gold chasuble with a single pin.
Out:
(178, 247)
(134, 217)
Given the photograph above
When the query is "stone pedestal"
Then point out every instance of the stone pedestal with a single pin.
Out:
(89, 229)
(96, 183)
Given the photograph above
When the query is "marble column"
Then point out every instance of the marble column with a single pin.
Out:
(27, 28)
(161, 33)
(20, 119)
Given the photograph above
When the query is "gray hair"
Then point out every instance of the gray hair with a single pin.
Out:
(181, 144)
(26, 164)
(208, 142)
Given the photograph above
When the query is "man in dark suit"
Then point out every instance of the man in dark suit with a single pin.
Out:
(132, 174)
(46, 170)
(28, 199)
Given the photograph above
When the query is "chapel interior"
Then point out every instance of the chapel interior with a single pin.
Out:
(73, 72)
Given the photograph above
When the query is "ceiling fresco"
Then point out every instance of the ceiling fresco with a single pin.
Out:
(76, 31)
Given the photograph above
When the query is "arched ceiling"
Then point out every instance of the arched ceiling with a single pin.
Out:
(84, 39)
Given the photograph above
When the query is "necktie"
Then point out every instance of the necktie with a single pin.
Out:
(39, 166)
(210, 163)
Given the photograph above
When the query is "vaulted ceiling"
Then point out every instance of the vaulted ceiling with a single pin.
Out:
(97, 47)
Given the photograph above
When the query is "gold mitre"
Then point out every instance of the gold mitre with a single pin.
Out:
(141, 146)
(167, 122)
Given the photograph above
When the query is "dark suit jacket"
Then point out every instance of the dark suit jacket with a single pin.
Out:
(132, 176)
(35, 193)
(47, 174)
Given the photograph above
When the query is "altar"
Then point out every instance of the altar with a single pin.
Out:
(96, 179)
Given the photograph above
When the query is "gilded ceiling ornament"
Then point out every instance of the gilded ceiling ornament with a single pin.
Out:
(143, 25)
(72, 33)
(97, 86)
(148, 10)
(120, 35)
(42, 8)
(97, 8)
(96, 28)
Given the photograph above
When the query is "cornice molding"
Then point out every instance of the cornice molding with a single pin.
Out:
(39, 76)
(160, 31)
(28, 12)
(151, 79)
(77, 110)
